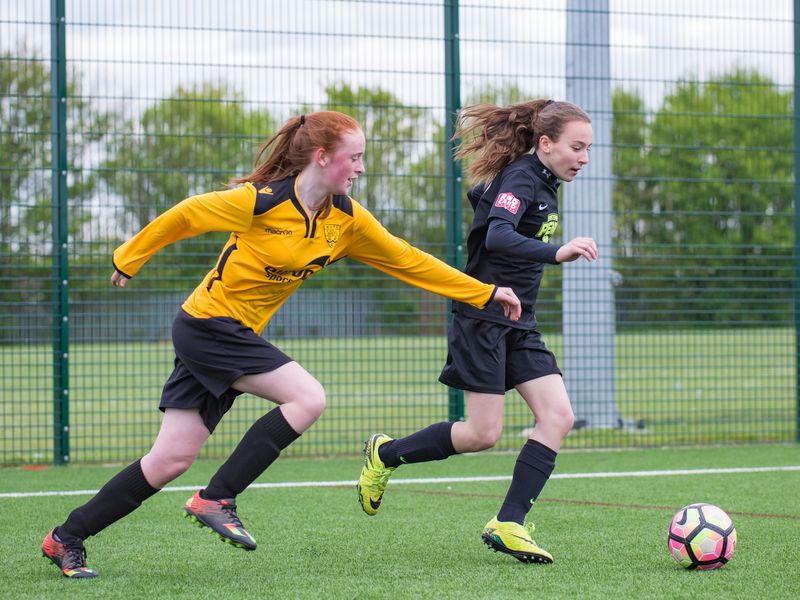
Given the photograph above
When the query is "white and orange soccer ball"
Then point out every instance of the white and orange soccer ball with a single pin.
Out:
(701, 536)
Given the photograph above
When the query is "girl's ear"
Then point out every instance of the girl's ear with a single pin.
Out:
(321, 157)
(545, 144)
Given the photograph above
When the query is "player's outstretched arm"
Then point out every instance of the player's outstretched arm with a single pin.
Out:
(511, 305)
(577, 247)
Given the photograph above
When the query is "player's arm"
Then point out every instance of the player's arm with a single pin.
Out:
(501, 237)
(373, 245)
(230, 210)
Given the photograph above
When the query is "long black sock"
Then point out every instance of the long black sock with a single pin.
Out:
(432, 443)
(257, 450)
(123, 494)
(534, 466)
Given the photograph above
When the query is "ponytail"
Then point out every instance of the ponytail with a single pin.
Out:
(500, 135)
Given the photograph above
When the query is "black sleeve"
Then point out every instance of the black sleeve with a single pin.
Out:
(502, 237)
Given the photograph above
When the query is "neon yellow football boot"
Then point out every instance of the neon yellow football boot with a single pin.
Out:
(514, 539)
(374, 475)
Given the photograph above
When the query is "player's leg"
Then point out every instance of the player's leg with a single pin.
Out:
(301, 400)
(179, 440)
(548, 400)
(475, 361)
(382, 454)
(483, 424)
(545, 394)
(480, 430)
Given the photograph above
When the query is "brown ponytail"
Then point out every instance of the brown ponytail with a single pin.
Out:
(500, 135)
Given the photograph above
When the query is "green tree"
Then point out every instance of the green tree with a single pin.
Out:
(394, 133)
(192, 142)
(25, 176)
(397, 135)
(703, 197)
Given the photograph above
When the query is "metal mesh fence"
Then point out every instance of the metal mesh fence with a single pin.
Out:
(684, 333)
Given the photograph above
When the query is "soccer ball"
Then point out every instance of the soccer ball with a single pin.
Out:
(701, 536)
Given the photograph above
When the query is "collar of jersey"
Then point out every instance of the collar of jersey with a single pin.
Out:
(543, 172)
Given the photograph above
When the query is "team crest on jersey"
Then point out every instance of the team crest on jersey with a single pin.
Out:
(332, 234)
(266, 190)
(508, 201)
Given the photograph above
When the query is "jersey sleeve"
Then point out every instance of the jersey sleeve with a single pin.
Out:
(373, 245)
(502, 238)
(229, 210)
(514, 194)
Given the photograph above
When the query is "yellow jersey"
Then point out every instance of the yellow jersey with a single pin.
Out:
(275, 245)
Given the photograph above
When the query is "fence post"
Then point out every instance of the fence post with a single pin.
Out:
(452, 169)
(796, 143)
(589, 316)
(58, 126)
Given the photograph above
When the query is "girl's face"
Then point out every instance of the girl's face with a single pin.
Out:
(345, 164)
(567, 156)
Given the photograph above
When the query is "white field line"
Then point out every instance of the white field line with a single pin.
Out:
(347, 483)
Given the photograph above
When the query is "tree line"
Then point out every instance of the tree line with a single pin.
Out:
(703, 188)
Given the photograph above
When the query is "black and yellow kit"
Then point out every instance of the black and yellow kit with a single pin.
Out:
(275, 245)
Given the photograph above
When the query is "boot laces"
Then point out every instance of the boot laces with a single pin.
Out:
(531, 528)
(381, 480)
(74, 556)
(230, 511)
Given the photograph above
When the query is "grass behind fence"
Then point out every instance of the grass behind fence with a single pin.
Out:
(678, 387)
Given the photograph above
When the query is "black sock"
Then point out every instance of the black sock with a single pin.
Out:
(123, 494)
(257, 450)
(432, 443)
(534, 465)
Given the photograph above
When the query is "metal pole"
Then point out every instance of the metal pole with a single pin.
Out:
(796, 141)
(589, 317)
(455, 238)
(58, 118)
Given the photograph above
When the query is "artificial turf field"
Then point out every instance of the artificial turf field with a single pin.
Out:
(606, 531)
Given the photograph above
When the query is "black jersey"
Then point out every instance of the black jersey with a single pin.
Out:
(525, 194)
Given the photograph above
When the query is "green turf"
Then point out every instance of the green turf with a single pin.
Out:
(608, 535)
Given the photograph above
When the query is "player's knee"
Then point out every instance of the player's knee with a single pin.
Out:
(488, 440)
(315, 406)
(314, 400)
(164, 469)
(180, 464)
(485, 437)
(567, 420)
(562, 420)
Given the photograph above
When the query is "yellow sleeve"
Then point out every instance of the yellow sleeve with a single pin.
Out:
(373, 245)
(229, 210)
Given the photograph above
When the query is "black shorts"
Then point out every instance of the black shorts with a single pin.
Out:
(210, 355)
(491, 358)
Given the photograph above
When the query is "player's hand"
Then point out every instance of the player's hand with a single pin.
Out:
(511, 305)
(118, 279)
(575, 248)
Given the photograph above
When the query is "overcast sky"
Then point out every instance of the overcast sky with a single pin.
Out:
(284, 52)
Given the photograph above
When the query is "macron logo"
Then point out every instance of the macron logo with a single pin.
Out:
(508, 201)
